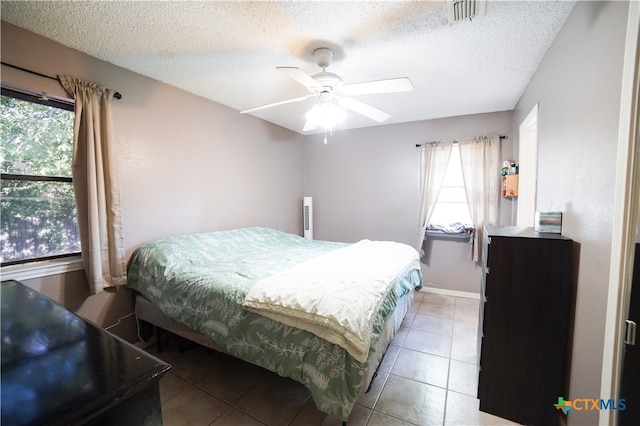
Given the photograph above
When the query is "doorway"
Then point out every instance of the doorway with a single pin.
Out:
(528, 169)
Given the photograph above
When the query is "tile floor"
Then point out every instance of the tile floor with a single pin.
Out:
(428, 376)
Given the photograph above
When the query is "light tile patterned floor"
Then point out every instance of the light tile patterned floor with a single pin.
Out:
(428, 377)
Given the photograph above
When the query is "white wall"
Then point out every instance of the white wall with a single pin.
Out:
(366, 184)
(578, 88)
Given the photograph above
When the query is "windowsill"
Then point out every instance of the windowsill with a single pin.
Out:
(40, 269)
(452, 236)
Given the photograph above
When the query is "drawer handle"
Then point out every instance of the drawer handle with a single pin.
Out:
(630, 337)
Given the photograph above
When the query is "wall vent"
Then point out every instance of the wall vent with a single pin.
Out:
(459, 10)
(307, 217)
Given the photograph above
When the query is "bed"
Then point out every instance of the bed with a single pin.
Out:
(282, 302)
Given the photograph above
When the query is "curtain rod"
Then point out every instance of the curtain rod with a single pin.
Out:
(116, 95)
(418, 145)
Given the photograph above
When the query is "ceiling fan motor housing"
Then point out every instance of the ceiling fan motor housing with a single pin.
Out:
(326, 82)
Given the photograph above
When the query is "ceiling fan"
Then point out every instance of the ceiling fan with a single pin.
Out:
(328, 86)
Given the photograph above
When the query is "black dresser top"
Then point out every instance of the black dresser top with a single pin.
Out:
(58, 368)
(521, 232)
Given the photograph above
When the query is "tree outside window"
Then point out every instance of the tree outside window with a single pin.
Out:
(37, 204)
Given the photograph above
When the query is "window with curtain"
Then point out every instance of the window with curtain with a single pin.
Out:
(469, 205)
(39, 218)
(451, 211)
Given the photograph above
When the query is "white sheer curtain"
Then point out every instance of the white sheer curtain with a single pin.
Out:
(481, 172)
(435, 158)
(96, 185)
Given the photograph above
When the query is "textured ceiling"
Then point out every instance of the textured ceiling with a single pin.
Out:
(228, 51)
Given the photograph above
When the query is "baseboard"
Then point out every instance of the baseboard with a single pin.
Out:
(455, 293)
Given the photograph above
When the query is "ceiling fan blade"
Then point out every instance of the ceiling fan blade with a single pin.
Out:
(288, 101)
(298, 75)
(392, 85)
(364, 109)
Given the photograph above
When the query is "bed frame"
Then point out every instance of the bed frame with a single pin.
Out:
(145, 311)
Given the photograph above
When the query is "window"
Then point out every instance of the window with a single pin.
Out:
(451, 207)
(38, 219)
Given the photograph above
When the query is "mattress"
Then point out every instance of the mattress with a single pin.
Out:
(200, 281)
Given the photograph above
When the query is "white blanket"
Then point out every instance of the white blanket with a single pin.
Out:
(337, 295)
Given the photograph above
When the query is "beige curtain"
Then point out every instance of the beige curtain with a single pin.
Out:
(433, 167)
(96, 185)
(481, 172)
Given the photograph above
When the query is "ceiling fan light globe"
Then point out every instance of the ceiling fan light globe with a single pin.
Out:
(326, 114)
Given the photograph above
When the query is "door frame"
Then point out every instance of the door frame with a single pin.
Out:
(625, 220)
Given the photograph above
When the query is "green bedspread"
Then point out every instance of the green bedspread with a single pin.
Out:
(201, 280)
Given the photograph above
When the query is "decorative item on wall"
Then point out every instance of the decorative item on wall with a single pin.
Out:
(509, 179)
(509, 167)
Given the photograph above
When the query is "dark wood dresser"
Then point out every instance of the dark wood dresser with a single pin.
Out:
(59, 369)
(525, 312)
